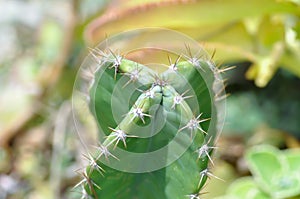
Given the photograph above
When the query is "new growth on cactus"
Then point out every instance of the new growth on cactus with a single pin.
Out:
(156, 129)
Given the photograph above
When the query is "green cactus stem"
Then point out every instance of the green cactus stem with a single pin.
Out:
(140, 112)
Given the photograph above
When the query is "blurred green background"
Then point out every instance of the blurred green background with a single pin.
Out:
(44, 42)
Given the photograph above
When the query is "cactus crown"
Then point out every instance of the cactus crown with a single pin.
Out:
(156, 130)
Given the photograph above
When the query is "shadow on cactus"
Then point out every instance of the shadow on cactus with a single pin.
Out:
(157, 128)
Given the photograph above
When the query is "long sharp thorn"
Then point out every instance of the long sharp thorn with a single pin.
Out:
(128, 82)
(213, 54)
(79, 183)
(170, 60)
(222, 70)
(207, 154)
(200, 181)
(177, 60)
(142, 118)
(97, 186)
(212, 175)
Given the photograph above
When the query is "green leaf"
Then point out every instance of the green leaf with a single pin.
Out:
(271, 170)
(293, 158)
(237, 30)
(188, 14)
(246, 188)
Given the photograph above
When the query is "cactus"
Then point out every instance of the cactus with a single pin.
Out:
(140, 112)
